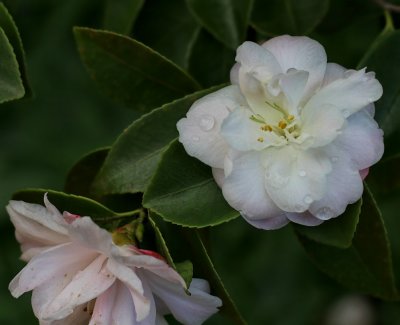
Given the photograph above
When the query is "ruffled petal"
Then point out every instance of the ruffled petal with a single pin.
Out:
(199, 132)
(244, 188)
(300, 53)
(350, 94)
(123, 311)
(219, 176)
(305, 219)
(295, 178)
(293, 85)
(333, 72)
(103, 308)
(269, 223)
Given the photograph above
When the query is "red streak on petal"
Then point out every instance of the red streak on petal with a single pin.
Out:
(69, 217)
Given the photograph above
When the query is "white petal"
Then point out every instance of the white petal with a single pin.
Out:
(234, 74)
(189, 310)
(293, 85)
(350, 94)
(300, 53)
(305, 218)
(244, 134)
(80, 316)
(333, 72)
(362, 140)
(344, 186)
(199, 132)
(86, 285)
(103, 308)
(219, 176)
(295, 178)
(268, 223)
(123, 312)
(244, 188)
(320, 125)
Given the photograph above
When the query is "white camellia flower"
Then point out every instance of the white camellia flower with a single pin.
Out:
(79, 276)
(292, 138)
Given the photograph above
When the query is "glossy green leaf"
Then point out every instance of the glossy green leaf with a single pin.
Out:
(183, 191)
(135, 155)
(366, 265)
(227, 20)
(130, 72)
(210, 61)
(120, 15)
(384, 177)
(11, 86)
(10, 29)
(336, 232)
(276, 17)
(172, 18)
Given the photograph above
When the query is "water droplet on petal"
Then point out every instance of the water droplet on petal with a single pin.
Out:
(302, 173)
(308, 199)
(346, 113)
(325, 213)
(195, 138)
(206, 122)
(334, 159)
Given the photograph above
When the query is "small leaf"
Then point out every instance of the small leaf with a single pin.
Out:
(336, 232)
(130, 72)
(275, 17)
(226, 20)
(11, 86)
(10, 29)
(135, 155)
(173, 18)
(185, 269)
(120, 15)
(366, 265)
(183, 191)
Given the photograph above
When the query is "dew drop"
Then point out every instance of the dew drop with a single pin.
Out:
(195, 138)
(308, 199)
(207, 122)
(346, 113)
(325, 213)
(302, 173)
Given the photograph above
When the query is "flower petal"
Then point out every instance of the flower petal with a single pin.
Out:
(103, 308)
(123, 311)
(293, 85)
(295, 178)
(199, 132)
(350, 94)
(300, 53)
(219, 176)
(244, 188)
(268, 223)
(333, 72)
(305, 219)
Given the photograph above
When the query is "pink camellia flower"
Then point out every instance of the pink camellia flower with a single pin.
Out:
(79, 276)
(292, 138)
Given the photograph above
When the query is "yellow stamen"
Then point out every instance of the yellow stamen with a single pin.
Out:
(260, 139)
(282, 124)
(290, 117)
(266, 127)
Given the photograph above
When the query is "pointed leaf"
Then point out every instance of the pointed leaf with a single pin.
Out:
(120, 15)
(135, 155)
(366, 265)
(226, 20)
(275, 17)
(130, 72)
(336, 232)
(183, 191)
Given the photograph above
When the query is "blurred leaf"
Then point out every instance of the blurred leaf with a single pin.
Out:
(210, 61)
(183, 191)
(169, 28)
(275, 17)
(136, 153)
(82, 174)
(384, 177)
(336, 232)
(11, 86)
(10, 29)
(366, 265)
(227, 20)
(129, 71)
(185, 269)
(120, 15)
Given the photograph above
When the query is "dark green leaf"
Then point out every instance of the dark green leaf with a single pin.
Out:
(227, 20)
(130, 72)
(384, 177)
(136, 153)
(275, 17)
(210, 61)
(11, 86)
(336, 232)
(172, 18)
(10, 29)
(366, 265)
(183, 191)
(120, 15)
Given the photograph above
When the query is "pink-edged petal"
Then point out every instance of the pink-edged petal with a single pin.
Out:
(219, 176)
(199, 132)
(295, 178)
(269, 223)
(86, 285)
(131, 280)
(244, 134)
(304, 218)
(50, 263)
(364, 173)
(103, 308)
(345, 186)
(244, 188)
(300, 53)
(320, 125)
(350, 94)
(191, 309)
(362, 140)
(123, 311)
